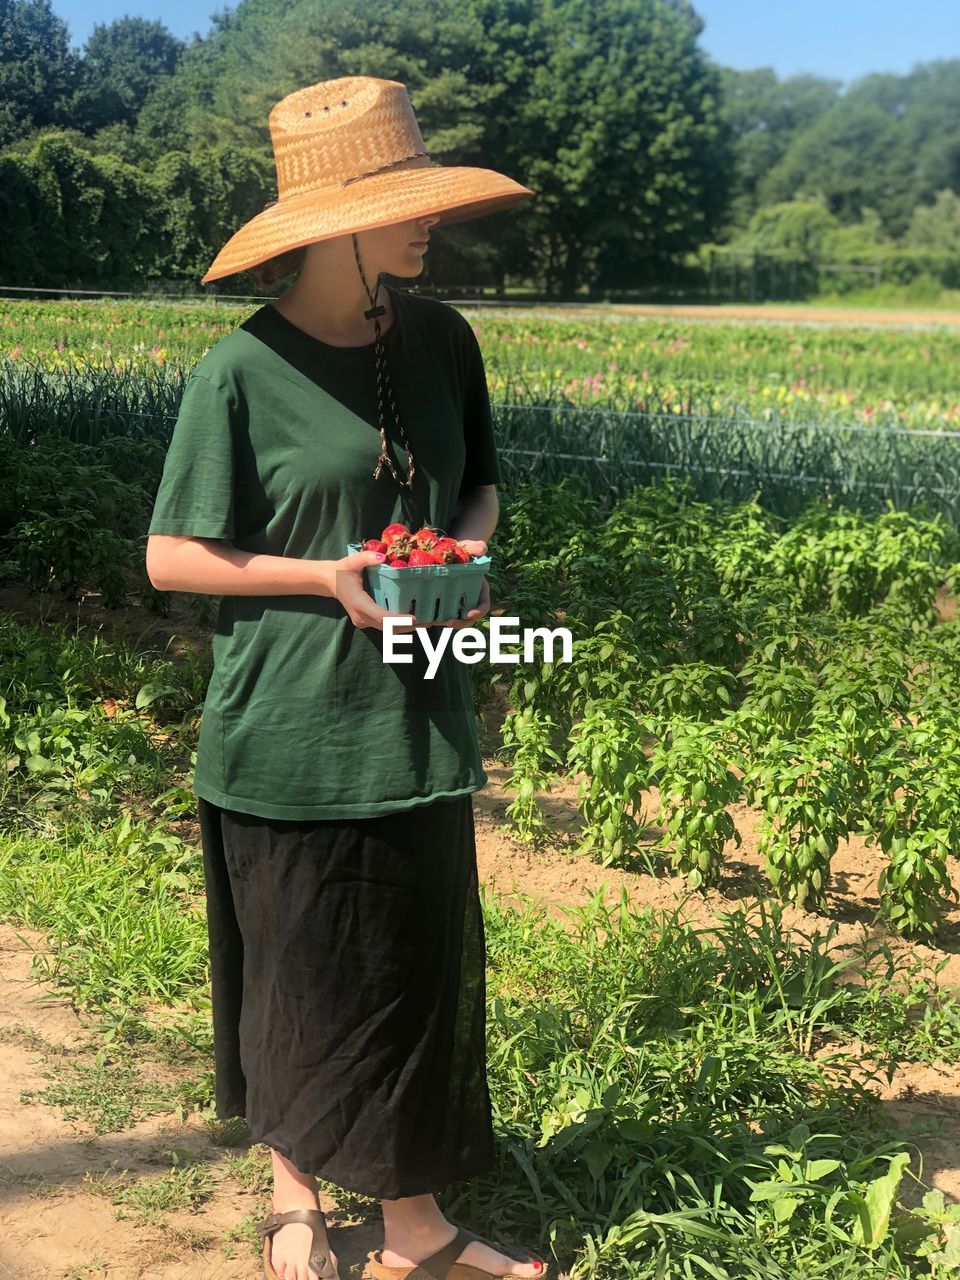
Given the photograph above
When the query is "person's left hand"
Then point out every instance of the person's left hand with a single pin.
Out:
(473, 547)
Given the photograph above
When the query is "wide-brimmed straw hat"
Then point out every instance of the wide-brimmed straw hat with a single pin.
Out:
(350, 157)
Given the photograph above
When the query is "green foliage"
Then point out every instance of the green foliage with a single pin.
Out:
(876, 146)
(84, 526)
(98, 221)
(690, 766)
(666, 1107)
(87, 727)
(606, 746)
(37, 68)
(806, 682)
(800, 227)
(763, 115)
(936, 225)
(805, 793)
(528, 733)
(121, 65)
(490, 90)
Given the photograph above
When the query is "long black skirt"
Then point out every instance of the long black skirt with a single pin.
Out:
(348, 989)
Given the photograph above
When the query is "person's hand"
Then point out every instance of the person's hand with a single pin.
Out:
(347, 586)
(473, 547)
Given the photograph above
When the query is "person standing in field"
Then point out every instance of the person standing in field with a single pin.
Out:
(334, 789)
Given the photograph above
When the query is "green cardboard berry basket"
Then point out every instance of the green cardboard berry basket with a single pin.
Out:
(430, 592)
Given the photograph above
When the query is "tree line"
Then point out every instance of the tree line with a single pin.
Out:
(133, 158)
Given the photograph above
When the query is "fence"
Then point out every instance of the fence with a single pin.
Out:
(779, 463)
(452, 292)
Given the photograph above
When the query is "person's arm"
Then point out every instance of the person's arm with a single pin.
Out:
(476, 516)
(211, 566)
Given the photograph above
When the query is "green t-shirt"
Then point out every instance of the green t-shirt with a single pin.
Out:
(273, 450)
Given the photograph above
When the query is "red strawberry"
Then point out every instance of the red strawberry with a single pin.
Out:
(392, 529)
(446, 551)
(420, 557)
(460, 555)
(374, 544)
(399, 563)
(400, 543)
(425, 538)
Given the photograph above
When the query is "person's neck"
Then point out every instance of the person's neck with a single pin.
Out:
(320, 309)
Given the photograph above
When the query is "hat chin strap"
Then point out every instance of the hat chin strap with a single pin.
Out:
(374, 312)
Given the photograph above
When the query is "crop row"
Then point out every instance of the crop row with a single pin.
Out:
(724, 657)
(852, 374)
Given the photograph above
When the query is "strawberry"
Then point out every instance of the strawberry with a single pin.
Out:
(399, 563)
(442, 549)
(393, 528)
(400, 543)
(425, 538)
(374, 544)
(450, 551)
(420, 557)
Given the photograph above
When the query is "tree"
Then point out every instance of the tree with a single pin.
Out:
(609, 111)
(797, 227)
(888, 143)
(764, 115)
(937, 225)
(38, 69)
(121, 65)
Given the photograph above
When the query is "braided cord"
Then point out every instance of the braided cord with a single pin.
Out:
(374, 312)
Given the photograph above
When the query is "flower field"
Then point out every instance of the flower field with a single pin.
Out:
(858, 376)
(669, 1101)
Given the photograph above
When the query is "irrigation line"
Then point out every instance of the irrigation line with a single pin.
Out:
(653, 417)
(725, 471)
(713, 421)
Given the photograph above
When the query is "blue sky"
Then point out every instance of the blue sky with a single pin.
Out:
(842, 39)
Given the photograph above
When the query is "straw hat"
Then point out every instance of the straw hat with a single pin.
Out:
(350, 157)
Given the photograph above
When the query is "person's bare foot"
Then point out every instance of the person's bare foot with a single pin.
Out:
(411, 1241)
(290, 1246)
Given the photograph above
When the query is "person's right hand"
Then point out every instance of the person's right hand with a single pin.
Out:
(347, 585)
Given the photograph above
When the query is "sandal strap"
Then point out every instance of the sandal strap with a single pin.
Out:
(439, 1263)
(319, 1245)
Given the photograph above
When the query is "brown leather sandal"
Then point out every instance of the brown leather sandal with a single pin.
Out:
(319, 1258)
(443, 1264)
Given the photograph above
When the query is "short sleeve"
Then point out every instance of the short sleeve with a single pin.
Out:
(195, 497)
(482, 465)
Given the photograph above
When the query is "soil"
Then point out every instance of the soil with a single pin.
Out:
(52, 1227)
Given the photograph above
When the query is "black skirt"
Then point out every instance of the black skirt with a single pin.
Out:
(348, 989)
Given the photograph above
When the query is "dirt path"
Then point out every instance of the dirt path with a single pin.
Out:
(52, 1226)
